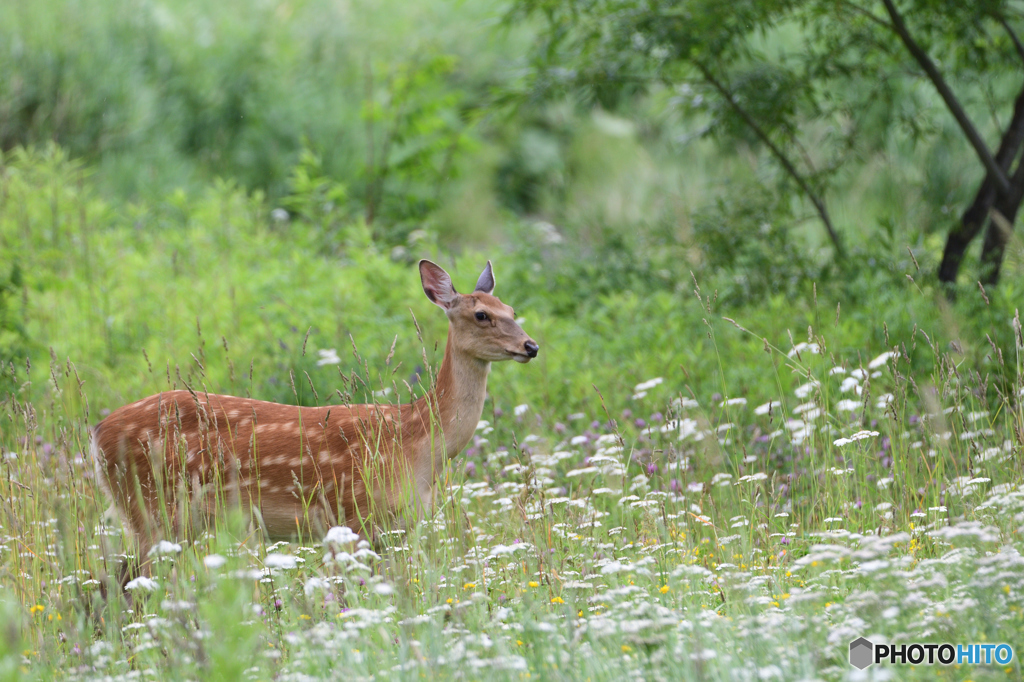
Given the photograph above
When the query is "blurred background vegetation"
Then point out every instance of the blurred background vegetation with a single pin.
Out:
(210, 192)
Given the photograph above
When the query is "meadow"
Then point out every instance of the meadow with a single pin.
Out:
(667, 491)
(731, 458)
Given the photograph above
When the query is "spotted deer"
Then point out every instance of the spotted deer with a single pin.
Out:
(184, 453)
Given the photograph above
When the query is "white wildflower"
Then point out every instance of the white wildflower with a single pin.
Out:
(798, 436)
(340, 535)
(613, 567)
(648, 385)
(804, 347)
(505, 550)
(847, 405)
(687, 428)
(770, 406)
(860, 435)
(850, 384)
(164, 548)
(520, 410)
(873, 566)
(804, 390)
(214, 561)
(314, 584)
(804, 407)
(880, 360)
(284, 561)
(328, 356)
(721, 479)
(142, 583)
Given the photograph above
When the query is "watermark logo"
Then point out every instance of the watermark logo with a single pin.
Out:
(863, 652)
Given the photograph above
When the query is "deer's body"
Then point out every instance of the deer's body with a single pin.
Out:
(303, 469)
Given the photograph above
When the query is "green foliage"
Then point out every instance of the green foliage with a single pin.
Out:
(162, 96)
(288, 164)
(11, 643)
(316, 198)
(748, 250)
(816, 86)
(415, 132)
(534, 170)
(13, 336)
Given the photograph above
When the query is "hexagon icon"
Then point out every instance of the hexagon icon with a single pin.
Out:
(861, 653)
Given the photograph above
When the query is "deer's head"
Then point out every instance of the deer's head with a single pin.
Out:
(480, 324)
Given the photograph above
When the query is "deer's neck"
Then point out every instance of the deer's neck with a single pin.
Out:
(455, 404)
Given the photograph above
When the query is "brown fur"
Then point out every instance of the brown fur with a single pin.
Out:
(302, 469)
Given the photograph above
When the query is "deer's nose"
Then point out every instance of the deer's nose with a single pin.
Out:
(531, 348)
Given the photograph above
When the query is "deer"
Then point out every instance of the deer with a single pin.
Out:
(300, 470)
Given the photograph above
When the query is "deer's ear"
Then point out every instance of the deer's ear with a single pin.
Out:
(486, 281)
(437, 285)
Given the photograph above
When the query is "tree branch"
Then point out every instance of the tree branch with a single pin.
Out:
(922, 58)
(867, 14)
(1013, 36)
(1000, 227)
(787, 165)
(974, 218)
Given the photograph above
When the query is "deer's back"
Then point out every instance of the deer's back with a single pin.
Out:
(276, 454)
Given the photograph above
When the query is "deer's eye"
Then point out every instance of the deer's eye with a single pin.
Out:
(481, 316)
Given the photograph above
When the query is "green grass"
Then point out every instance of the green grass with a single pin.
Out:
(603, 524)
(712, 539)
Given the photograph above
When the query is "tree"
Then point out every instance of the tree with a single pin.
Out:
(854, 58)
